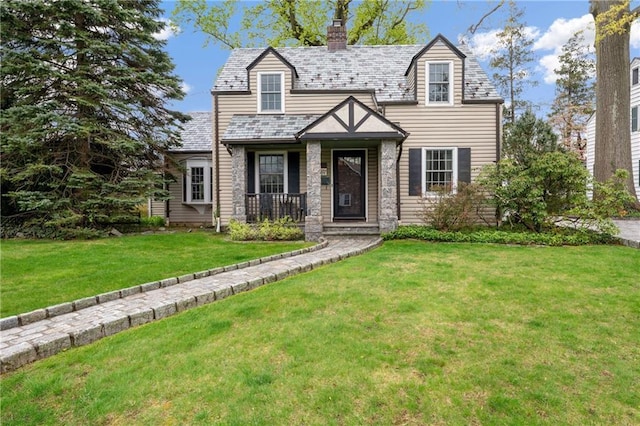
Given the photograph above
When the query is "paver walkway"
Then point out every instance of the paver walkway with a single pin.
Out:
(39, 334)
(629, 232)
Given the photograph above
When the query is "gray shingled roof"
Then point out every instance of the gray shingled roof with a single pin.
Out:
(358, 67)
(198, 133)
(266, 127)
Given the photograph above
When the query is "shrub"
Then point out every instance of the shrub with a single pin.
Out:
(278, 230)
(448, 211)
(154, 221)
(557, 237)
(553, 184)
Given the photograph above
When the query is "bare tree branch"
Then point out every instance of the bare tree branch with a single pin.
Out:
(473, 28)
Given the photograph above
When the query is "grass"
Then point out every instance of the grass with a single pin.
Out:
(37, 274)
(411, 333)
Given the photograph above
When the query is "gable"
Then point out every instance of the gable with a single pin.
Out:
(351, 119)
(271, 60)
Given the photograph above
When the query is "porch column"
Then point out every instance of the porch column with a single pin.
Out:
(238, 182)
(313, 220)
(388, 208)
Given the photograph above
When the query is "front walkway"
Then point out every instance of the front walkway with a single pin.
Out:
(39, 334)
(629, 233)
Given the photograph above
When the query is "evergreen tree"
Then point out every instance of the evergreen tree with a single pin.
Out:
(84, 124)
(512, 58)
(575, 93)
(303, 22)
(527, 139)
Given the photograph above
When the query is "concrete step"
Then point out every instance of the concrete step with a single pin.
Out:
(347, 228)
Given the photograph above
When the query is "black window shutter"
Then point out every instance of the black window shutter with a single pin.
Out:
(464, 165)
(251, 172)
(415, 171)
(184, 186)
(294, 172)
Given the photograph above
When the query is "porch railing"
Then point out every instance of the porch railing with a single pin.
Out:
(275, 206)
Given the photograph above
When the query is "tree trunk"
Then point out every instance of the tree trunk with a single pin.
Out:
(613, 105)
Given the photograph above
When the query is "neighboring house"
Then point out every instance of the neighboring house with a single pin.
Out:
(192, 195)
(348, 138)
(635, 128)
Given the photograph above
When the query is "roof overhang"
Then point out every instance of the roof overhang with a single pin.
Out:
(352, 120)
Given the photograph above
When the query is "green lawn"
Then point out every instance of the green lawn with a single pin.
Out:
(410, 333)
(37, 274)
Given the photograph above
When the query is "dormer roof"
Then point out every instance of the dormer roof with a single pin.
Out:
(380, 70)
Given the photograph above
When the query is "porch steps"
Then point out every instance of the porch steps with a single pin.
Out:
(350, 228)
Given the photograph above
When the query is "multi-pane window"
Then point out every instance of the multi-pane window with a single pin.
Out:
(634, 76)
(439, 169)
(271, 92)
(271, 173)
(634, 119)
(198, 182)
(439, 83)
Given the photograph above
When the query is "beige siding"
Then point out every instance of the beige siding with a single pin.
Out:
(180, 212)
(372, 185)
(294, 104)
(440, 52)
(156, 208)
(471, 126)
(460, 125)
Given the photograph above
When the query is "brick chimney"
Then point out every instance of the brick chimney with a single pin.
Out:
(336, 36)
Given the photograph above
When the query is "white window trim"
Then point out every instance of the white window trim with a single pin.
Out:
(637, 108)
(259, 89)
(206, 165)
(451, 84)
(423, 169)
(285, 172)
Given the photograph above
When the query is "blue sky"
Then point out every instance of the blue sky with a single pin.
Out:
(550, 23)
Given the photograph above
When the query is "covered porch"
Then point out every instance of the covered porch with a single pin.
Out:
(335, 174)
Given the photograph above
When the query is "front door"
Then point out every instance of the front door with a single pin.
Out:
(349, 184)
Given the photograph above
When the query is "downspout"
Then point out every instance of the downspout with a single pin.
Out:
(498, 154)
(216, 154)
(398, 182)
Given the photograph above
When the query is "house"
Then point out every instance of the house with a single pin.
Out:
(635, 128)
(346, 138)
(191, 201)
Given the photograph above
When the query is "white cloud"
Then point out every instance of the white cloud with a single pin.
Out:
(186, 88)
(635, 34)
(483, 44)
(560, 31)
(170, 29)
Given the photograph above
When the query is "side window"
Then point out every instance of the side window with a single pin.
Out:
(197, 182)
(439, 169)
(431, 169)
(270, 92)
(439, 84)
(634, 76)
(271, 173)
(634, 119)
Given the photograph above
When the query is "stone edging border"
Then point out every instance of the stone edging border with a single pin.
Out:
(629, 243)
(76, 305)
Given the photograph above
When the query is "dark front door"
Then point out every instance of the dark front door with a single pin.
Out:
(349, 184)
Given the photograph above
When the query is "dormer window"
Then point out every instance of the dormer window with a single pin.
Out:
(439, 76)
(270, 94)
(634, 76)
